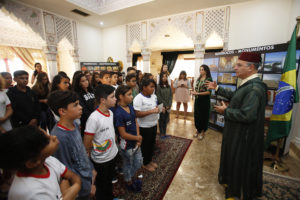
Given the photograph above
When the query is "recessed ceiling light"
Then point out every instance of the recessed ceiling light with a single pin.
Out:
(101, 23)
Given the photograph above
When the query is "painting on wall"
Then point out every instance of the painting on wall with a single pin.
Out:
(212, 63)
(274, 62)
(228, 78)
(227, 63)
(272, 80)
(220, 120)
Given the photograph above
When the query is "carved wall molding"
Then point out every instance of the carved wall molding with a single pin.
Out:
(28, 15)
(197, 25)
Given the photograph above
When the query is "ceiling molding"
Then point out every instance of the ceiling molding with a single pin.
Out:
(102, 7)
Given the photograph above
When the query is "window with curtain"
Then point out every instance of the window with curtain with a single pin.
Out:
(182, 63)
(17, 58)
(139, 63)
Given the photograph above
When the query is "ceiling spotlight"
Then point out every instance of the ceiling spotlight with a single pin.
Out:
(101, 23)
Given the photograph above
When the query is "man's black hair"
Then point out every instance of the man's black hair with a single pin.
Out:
(61, 99)
(130, 68)
(20, 73)
(113, 73)
(21, 145)
(129, 77)
(102, 73)
(102, 91)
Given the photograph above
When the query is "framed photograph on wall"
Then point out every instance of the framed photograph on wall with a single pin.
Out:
(227, 63)
(220, 120)
(274, 62)
(227, 78)
(212, 63)
(272, 80)
(214, 76)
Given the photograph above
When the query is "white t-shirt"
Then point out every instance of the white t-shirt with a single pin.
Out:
(39, 187)
(4, 103)
(143, 103)
(115, 86)
(104, 144)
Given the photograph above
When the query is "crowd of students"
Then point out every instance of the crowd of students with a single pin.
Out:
(62, 140)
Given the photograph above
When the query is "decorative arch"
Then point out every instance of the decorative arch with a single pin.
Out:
(185, 23)
(15, 32)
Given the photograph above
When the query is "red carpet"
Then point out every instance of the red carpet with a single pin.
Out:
(169, 155)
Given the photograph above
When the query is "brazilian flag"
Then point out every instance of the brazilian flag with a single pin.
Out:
(287, 95)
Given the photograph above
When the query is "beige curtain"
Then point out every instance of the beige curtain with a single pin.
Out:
(28, 56)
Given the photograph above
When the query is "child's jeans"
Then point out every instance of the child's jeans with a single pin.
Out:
(132, 161)
(163, 121)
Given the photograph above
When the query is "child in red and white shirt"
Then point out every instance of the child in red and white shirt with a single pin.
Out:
(28, 150)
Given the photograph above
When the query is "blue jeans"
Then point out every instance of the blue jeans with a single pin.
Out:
(132, 161)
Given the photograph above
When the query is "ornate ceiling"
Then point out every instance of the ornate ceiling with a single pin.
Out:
(102, 7)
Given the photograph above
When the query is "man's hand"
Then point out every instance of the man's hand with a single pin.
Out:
(211, 85)
(220, 109)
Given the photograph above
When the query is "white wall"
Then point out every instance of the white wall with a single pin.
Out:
(89, 43)
(114, 44)
(261, 22)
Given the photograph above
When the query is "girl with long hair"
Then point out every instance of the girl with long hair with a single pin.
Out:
(129, 137)
(202, 102)
(95, 80)
(86, 98)
(42, 89)
(182, 86)
(164, 96)
(164, 68)
(37, 70)
(60, 82)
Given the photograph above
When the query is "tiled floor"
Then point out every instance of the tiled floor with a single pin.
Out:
(196, 179)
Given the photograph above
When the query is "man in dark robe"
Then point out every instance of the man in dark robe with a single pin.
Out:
(243, 135)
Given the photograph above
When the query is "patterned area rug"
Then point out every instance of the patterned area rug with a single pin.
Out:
(168, 154)
(280, 187)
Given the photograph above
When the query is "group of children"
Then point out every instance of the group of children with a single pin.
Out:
(114, 119)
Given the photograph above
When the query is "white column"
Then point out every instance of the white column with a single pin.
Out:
(199, 51)
(129, 59)
(75, 55)
(146, 53)
(51, 52)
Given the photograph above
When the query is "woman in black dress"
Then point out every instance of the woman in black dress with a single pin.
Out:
(202, 102)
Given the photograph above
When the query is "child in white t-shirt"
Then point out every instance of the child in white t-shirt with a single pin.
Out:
(28, 150)
(5, 108)
(100, 143)
(145, 106)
